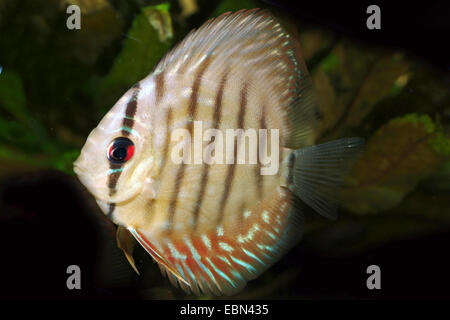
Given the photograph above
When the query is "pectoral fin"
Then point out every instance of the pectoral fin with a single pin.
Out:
(156, 255)
(126, 242)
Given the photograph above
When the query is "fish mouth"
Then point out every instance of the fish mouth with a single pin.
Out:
(77, 169)
(77, 166)
(80, 173)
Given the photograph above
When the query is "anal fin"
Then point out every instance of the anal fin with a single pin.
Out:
(222, 260)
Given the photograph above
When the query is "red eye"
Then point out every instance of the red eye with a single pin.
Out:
(120, 150)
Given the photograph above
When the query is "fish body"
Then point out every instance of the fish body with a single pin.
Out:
(209, 214)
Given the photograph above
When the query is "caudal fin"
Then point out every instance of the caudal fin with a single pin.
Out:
(318, 171)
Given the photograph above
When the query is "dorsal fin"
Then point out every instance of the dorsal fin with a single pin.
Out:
(252, 43)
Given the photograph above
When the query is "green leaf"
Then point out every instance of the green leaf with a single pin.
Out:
(148, 39)
(398, 156)
(12, 95)
(316, 42)
(330, 63)
(100, 25)
(351, 81)
(24, 142)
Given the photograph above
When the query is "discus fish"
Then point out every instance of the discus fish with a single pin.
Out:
(214, 224)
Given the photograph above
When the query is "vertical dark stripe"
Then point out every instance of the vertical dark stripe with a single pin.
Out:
(205, 169)
(128, 121)
(218, 102)
(259, 177)
(130, 110)
(192, 110)
(113, 177)
(198, 203)
(232, 167)
(159, 87)
(166, 142)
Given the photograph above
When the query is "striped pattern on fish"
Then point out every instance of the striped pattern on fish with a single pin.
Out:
(213, 227)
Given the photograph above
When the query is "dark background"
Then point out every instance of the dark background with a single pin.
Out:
(417, 27)
(47, 225)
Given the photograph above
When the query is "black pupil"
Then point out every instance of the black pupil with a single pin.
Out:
(119, 150)
(119, 153)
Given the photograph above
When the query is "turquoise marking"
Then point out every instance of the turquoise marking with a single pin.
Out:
(115, 170)
(223, 275)
(203, 266)
(128, 129)
(206, 241)
(175, 252)
(225, 246)
(236, 274)
(271, 235)
(193, 250)
(249, 235)
(208, 272)
(263, 247)
(125, 128)
(266, 217)
(197, 258)
(224, 259)
(244, 264)
(180, 270)
(190, 272)
(252, 255)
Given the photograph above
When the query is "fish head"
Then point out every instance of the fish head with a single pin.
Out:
(116, 160)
